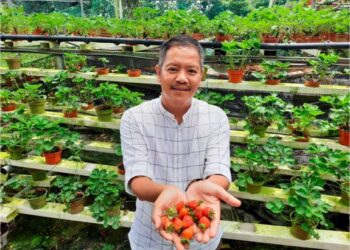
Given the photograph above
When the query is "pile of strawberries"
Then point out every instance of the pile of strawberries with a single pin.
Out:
(181, 218)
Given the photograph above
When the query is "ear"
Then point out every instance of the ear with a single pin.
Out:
(157, 68)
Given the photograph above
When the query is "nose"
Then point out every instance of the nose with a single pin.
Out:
(181, 76)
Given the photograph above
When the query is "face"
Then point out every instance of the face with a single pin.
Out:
(179, 76)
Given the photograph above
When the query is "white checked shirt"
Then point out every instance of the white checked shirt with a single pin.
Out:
(156, 146)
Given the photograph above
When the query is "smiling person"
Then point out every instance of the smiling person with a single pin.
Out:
(176, 148)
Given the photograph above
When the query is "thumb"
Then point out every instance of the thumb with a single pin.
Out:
(157, 213)
(226, 197)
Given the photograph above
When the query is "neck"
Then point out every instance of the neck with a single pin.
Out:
(178, 110)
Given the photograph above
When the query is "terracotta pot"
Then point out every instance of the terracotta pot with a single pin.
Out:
(299, 233)
(118, 110)
(105, 33)
(54, 157)
(87, 106)
(121, 169)
(8, 107)
(77, 204)
(313, 39)
(222, 38)
(270, 39)
(134, 72)
(272, 81)
(342, 37)
(255, 187)
(311, 83)
(102, 71)
(344, 137)
(71, 114)
(38, 31)
(235, 76)
(13, 63)
(198, 36)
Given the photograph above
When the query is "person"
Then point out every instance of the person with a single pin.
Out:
(176, 148)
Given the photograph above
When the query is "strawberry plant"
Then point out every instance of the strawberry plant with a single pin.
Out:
(67, 99)
(321, 68)
(74, 62)
(260, 162)
(272, 70)
(215, 98)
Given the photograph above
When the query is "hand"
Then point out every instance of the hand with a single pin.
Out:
(168, 197)
(211, 194)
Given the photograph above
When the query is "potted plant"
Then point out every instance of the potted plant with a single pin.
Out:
(215, 98)
(306, 209)
(51, 84)
(104, 186)
(262, 112)
(237, 54)
(105, 92)
(69, 100)
(12, 77)
(104, 70)
(303, 118)
(119, 68)
(85, 91)
(223, 26)
(133, 72)
(125, 99)
(13, 62)
(70, 193)
(324, 160)
(73, 62)
(33, 95)
(7, 99)
(340, 115)
(260, 162)
(272, 72)
(321, 70)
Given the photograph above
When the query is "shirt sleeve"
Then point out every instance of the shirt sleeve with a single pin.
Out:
(218, 152)
(134, 150)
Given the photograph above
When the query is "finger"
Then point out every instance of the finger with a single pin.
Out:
(225, 196)
(206, 237)
(198, 233)
(177, 242)
(214, 225)
(166, 235)
(157, 213)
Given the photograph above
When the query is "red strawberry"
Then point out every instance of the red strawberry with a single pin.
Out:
(208, 212)
(187, 235)
(193, 204)
(177, 223)
(183, 212)
(187, 221)
(167, 225)
(180, 205)
(204, 223)
(197, 213)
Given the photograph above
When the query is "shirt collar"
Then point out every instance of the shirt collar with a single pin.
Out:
(170, 115)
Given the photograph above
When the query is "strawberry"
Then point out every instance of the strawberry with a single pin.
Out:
(171, 213)
(177, 222)
(204, 223)
(180, 205)
(187, 221)
(187, 235)
(167, 225)
(193, 204)
(208, 212)
(183, 212)
(197, 213)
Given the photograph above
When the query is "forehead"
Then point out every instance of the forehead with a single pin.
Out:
(188, 55)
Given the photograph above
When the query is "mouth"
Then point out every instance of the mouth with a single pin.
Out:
(180, 89)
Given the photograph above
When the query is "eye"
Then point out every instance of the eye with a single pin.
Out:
(192, 71)
(172, 69)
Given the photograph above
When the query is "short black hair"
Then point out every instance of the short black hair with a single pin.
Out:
(182, 40)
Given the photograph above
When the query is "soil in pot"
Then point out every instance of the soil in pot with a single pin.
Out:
(77, 204)
(104, 113)
(344, 137)
(235, 76)
(39, 199)
(134, 72)
(54, 156)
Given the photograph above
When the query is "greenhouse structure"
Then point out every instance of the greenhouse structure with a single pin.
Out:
(175, 124)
